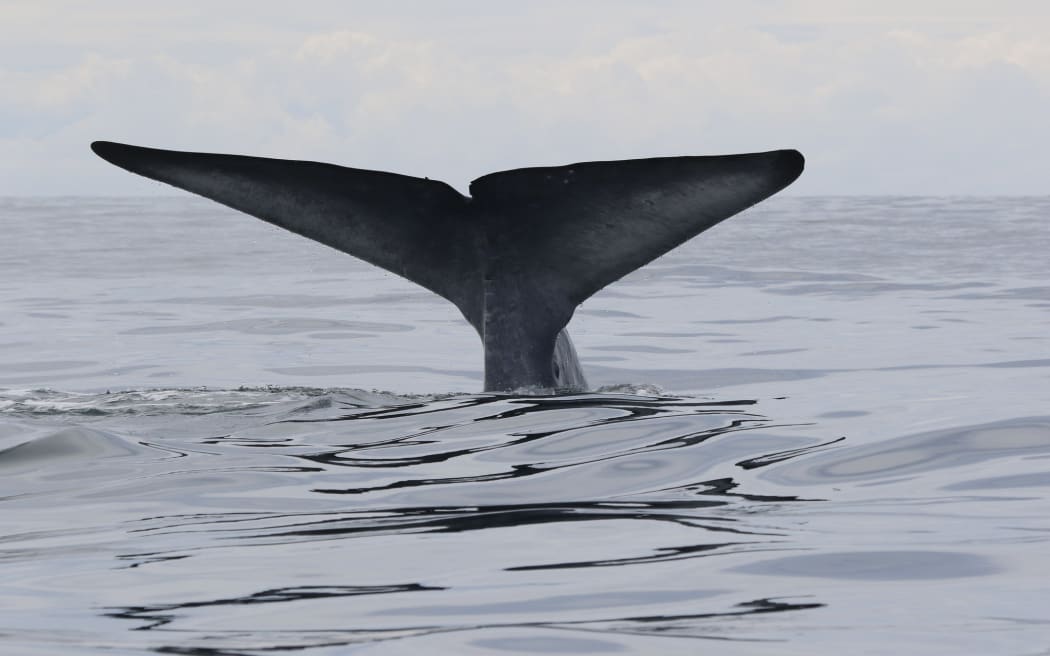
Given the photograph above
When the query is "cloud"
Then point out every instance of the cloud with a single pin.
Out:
(58, 95)
(938, 98)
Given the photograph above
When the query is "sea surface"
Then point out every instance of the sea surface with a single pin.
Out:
(823, 427)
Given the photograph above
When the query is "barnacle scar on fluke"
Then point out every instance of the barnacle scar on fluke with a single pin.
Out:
(516, 257)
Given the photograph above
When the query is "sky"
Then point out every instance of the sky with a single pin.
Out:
(912, 97)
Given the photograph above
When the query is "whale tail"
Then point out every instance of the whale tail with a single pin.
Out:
(516, 257)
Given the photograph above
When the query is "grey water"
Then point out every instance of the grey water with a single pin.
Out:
(823, 427)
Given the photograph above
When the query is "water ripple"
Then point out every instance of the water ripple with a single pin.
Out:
(247, 520)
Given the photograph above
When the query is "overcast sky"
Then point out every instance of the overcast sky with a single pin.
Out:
(883, 97)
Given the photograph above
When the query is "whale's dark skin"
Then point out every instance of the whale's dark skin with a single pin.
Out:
(516, 257)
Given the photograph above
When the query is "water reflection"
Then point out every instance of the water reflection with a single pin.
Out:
(248, 521)
(579, 464)
(704, 625)
(161, 615)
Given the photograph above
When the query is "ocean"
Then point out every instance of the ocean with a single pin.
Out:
(822, 427)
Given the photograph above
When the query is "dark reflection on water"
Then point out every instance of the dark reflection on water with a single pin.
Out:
(683, 625)
(287, 529)
(161, 615)
(560, 432)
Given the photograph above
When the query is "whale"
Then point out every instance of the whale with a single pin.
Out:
(516, 256)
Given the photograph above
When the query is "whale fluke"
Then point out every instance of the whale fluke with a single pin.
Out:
(517, 257)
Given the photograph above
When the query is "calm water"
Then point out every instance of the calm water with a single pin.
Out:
(822, 428)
